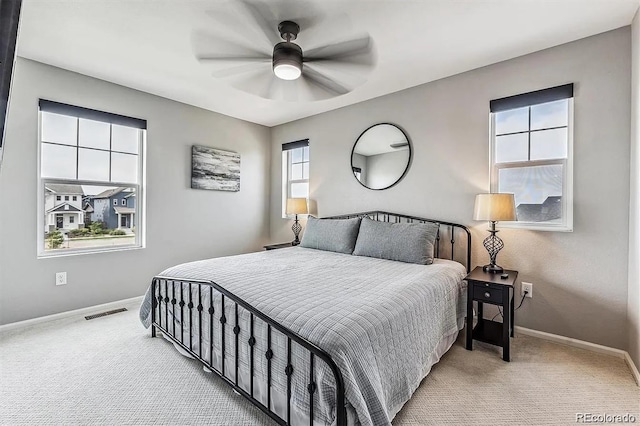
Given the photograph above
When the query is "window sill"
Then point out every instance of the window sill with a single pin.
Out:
(66, 253)
(532, 226)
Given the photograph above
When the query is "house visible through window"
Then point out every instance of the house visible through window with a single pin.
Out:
(89, 159)
(295, 171)
(531, 154)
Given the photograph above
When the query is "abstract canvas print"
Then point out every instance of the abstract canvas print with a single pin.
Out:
(215, 169)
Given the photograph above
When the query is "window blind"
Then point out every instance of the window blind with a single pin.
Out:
(293, 145)
(532, 98)
(91, 114)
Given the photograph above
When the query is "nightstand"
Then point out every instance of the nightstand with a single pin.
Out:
(277, 246)
(486, 287)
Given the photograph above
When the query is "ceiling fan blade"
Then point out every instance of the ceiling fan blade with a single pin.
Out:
(208, 46)
(232, 58)
(341, 50)
(264, 19)
(350, 76)
(324, 82)
(225, 67)
(257, 83)
(241, 69)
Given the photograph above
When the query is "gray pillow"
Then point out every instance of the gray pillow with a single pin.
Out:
(337, 235)
(404, 242)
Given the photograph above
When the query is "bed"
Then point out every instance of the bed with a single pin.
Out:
(313, 336)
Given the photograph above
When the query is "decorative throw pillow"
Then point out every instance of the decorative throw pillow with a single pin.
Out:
(404, 242)
(337, 235)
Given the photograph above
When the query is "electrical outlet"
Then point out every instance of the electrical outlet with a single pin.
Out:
(528, 287)
(61, 278)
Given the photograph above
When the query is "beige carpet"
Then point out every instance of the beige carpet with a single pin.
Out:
(109, 371)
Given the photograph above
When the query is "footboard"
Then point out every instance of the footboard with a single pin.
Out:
(169, 297)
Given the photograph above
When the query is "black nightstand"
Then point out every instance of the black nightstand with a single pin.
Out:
(485, 287)
(277, 246)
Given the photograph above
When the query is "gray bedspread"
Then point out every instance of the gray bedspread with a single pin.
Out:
(380, 320)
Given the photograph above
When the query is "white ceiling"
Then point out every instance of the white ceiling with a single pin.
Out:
(149, 45)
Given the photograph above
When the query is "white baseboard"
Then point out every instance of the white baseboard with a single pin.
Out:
(593, 347)
(632, 367)
(77, 312)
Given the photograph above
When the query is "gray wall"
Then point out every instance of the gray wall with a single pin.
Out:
(182, 224)
(633, 308)
(580, 278)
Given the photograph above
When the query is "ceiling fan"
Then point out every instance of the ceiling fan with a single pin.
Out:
(295, 74)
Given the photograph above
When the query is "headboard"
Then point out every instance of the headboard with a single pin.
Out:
(449, 234)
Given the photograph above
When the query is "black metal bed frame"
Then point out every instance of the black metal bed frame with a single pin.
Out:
(186, 301)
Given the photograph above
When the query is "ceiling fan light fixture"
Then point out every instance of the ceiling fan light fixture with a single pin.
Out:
(287, 61)
(286, 71)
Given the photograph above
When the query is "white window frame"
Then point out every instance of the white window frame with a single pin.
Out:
(139, 217)
(123, 202)
(566, 225)
(286, 182)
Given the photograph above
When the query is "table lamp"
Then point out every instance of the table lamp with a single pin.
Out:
(494, 208)
(296, 206)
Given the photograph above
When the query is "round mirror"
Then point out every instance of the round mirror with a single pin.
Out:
(381, 156)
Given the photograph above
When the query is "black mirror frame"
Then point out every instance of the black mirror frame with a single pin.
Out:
(406, 169)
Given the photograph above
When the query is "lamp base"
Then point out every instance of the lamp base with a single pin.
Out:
(296, 228)
(493, 269)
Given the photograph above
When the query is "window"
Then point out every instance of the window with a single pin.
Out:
(66, 198)
(531, 156)
(124, 202)
(357, 172)
(58, 198)
(97, 156)
(295, 171)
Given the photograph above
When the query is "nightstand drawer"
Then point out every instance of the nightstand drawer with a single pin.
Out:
(487, 294)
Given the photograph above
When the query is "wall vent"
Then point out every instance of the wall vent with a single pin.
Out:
(104, 314)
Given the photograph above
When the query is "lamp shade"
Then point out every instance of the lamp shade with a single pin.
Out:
(495, 207)
(297, 206)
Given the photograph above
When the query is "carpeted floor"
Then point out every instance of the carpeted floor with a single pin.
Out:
(110, 371)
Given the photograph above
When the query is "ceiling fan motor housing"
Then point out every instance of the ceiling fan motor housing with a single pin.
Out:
(287, 53)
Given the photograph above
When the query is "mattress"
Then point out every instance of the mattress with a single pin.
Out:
(384, 323)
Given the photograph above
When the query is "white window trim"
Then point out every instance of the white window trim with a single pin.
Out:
(286, 183)
(140, 225)
(567, 181)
